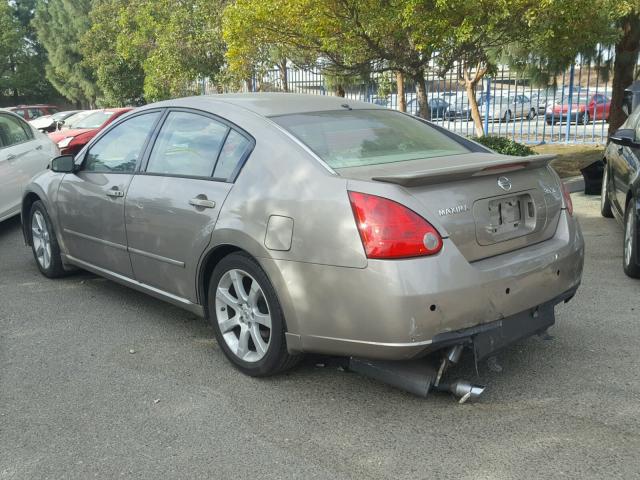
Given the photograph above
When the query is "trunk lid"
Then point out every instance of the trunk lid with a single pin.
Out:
(487, 204)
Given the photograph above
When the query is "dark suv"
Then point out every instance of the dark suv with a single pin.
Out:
(621, 188)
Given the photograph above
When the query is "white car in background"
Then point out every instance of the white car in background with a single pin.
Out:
(24, 151)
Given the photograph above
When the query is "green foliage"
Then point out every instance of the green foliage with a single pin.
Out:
(153, 49)
(22, 59)
(10, 49)
(505, 146)
(120, 79)
(60, 24)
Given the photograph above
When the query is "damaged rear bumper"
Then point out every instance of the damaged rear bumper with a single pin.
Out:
(489, 338)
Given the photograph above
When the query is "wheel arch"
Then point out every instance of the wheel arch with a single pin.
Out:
(209, 261)
(28, 200)
(214, 255)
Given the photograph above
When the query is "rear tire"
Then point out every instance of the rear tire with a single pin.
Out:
(584, 119)
(44, 243)
(247, 318)
(605, 203)
(507, 116)
(532, 114)
(630, 257)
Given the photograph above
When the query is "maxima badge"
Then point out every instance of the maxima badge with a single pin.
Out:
(504, 183)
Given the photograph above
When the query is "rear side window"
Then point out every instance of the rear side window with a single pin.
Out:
(188, 144)
(231, 154)
(354, 138)
(119, 149)
(12, 131)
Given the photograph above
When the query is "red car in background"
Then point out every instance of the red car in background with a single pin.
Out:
(584, 108)
(71, 141)
(30, 112)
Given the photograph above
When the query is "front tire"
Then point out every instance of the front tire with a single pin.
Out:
(44, 243)
(532, 114)
(507, 116)
(605, 203)
(247, 318)
(630, 251)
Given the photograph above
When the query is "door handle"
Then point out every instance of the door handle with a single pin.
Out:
(39, 147)
(115, 193)
(202, 202)
(11, 156)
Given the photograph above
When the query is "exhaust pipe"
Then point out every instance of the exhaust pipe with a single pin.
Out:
(462, 389)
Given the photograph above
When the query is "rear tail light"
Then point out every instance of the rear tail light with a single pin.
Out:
(568, 204)
(391, 230)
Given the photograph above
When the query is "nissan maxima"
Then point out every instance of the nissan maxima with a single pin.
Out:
(313, 224)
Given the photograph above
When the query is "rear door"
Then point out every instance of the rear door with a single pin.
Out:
(173, 204)
(91, 202)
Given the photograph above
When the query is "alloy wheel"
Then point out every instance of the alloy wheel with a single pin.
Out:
(41, 239)
(603, 191)
(243, 315)
(628, 237)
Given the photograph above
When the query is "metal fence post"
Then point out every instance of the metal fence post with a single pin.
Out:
(570, 101)
(486, 106)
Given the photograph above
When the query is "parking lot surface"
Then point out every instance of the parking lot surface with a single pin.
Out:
(100, 381)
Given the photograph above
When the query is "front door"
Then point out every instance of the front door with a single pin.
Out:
(172, 207)
(91, 201)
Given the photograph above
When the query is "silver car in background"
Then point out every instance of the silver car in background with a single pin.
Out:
(313, 224)
(505, 108)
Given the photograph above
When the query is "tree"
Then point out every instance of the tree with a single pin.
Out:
(349, 35)
(120, 79)
(22, 58)
(165, 44)
(11, 34)
(60, 24)
(482, 34)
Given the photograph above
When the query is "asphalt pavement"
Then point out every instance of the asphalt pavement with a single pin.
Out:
(100, 381)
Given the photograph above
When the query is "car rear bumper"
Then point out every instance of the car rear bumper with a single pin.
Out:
(403, 309)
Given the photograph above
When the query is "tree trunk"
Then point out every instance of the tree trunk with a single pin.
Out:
(623, 66)
(421, 94)
(284, 74)
(470, 87)
(339, 90)
(402, 101)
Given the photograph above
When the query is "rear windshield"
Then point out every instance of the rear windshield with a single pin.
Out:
(354, 138)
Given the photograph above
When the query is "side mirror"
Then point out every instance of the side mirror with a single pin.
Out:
(63, 164)
(625, 137)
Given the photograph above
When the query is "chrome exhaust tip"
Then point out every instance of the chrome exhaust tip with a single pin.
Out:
(463, 390)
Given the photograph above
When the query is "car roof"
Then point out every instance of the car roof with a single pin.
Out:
(35, 105)
(269, 104)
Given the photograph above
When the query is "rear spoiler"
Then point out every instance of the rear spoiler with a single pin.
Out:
(461, 172)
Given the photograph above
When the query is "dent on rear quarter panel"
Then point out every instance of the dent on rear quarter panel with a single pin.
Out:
(281, 178)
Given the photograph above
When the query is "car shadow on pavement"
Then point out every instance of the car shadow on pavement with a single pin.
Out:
(10, 226)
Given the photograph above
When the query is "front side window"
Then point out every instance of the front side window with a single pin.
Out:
(188, 144)
(119, 149)
(355, 138)
(12, 131)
